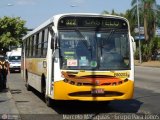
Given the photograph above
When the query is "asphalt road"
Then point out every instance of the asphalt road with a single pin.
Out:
(31, 105)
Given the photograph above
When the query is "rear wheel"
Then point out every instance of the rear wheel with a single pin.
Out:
(48, 100)
(27, 84)
(43, 84)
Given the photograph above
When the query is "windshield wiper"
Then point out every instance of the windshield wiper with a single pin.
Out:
(83, 40)
(102, 42)
(109, 35)
(81, 35)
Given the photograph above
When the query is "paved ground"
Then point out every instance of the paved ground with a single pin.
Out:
(8, 108)
(19, 103)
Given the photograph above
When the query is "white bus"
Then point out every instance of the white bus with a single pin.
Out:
(66, 58)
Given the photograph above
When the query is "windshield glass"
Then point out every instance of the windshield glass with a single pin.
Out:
(15, 58)
(98, 50)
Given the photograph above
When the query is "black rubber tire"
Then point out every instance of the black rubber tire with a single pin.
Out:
(27, 85)
(29, 88)
(48, 101)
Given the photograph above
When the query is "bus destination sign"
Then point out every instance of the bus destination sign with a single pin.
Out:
(92, 22)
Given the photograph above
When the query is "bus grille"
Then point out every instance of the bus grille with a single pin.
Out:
(89, 94)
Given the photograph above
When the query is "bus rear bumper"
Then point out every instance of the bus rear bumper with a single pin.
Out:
(66, 91)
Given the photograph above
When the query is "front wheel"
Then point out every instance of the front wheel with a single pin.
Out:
(48, 101)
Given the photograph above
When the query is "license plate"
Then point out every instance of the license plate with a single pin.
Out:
(97, 91)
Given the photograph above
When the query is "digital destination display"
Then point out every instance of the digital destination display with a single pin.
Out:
(92, 22)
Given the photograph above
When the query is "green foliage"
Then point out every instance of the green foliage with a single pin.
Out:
(11, 31)
(156, 43)
(158, 16)
(146, 51)
(105, 12)
(148, 48)
(150, 16)
(136, 54)
(113, 13)
(132, 21)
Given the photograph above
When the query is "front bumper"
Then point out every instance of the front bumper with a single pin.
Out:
(66, 91)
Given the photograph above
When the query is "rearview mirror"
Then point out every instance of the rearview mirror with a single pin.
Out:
(133, 44)
(53, 38)
(52, 43)
(55, 54)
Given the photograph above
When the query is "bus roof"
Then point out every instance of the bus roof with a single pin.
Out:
(54, 19)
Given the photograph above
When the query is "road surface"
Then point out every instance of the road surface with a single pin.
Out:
(30, 104)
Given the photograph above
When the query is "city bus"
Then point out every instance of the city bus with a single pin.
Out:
(67, 58)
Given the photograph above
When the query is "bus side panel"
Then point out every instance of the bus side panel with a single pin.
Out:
(34, 80)
(35, 68)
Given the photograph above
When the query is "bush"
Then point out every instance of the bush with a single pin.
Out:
(148, 49)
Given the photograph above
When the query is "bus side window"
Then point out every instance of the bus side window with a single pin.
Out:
(38, 44)
(30, 47)
(26, 47)
(44, 43)
(34, 46)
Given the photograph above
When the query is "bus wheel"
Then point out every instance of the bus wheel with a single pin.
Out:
(27, 84)
(48, 101)
(43, 84)
(28, 87)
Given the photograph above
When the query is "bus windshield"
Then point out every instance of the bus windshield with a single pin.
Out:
(94, 50)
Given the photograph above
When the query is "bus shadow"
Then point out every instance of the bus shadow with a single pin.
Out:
(38, 94)
(81, 107)
(78, 107)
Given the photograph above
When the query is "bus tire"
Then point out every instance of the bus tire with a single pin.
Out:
(28, 87)
(48, 101)
(27, 84)
(43, 84)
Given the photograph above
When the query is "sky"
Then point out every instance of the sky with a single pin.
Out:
(35, 12)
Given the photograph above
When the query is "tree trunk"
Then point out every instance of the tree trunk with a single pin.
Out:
(145, 22)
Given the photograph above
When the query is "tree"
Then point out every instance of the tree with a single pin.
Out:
(149, 18)
(105, 12)
(158, 16)
(146, 8)
(11, 31)
(131, 20)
